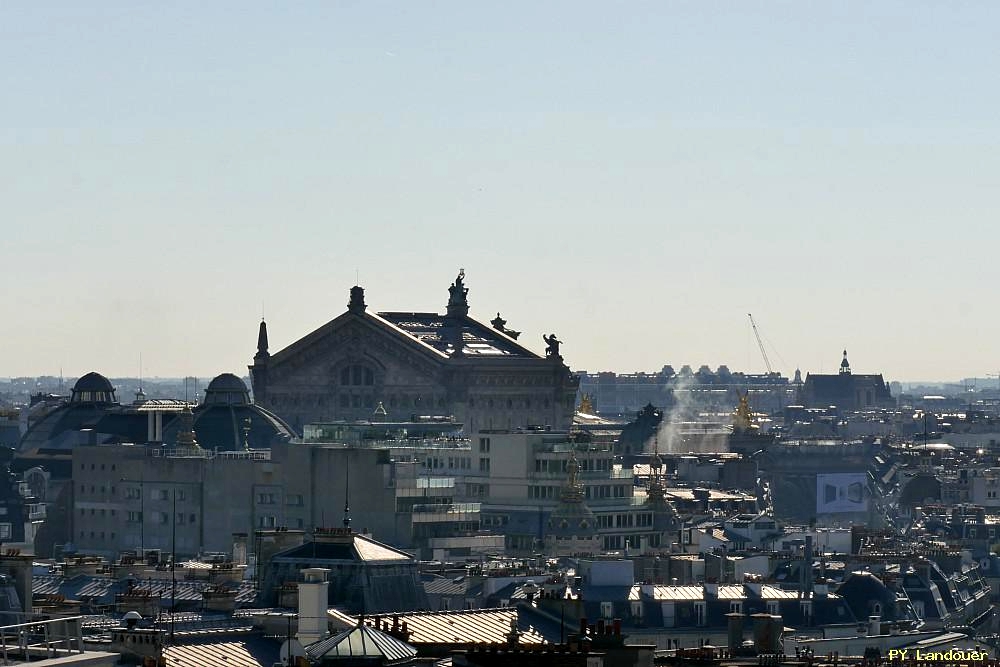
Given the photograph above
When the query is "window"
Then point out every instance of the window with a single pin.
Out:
(699, 613)
(133, 493)
(265, 498)
(135, 517)
(162, 517)
(735, 606)
(357, 376)
(772, 607)
(294, 499)
(161, 494)
(267, 522)
(668, 614)
(637, 609)
(484, 465)
(607, 610)
(484, 445)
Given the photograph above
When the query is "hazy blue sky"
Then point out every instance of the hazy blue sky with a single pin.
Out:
(633, 176)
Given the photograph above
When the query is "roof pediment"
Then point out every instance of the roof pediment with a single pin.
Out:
(434, 337)
(347, 328)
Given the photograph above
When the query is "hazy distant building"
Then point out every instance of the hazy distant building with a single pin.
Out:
(226, 419)
(847, 390)
(701, 390)
(415, 363)
(138, 498)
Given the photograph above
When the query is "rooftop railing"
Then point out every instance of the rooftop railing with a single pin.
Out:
(35, 639)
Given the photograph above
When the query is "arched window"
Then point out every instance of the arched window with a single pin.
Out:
(357, 375)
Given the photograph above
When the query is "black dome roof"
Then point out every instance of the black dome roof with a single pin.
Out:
(93, 382)
(226, 382)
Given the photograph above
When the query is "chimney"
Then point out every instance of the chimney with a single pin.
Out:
(583, 627)
(239, 548)
(314, 593)
(734, 627)
(807, 566)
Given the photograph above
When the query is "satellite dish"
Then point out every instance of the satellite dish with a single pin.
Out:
(293, 647)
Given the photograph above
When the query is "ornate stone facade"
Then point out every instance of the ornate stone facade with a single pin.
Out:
(414, 364)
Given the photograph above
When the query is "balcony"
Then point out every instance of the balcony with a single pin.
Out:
(457, 512)
(617, 473)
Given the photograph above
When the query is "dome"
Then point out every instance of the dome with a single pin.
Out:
(93, 388)
(228, 420)
(226, 382)
(93, 382)
(227, 389)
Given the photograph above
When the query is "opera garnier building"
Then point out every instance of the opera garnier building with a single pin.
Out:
(415, 364)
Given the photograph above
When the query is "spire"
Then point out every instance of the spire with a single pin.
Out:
(347, 494)
(262, 353)
(845, 365)
(655, 492)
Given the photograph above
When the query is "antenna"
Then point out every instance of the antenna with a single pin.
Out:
(347, 491)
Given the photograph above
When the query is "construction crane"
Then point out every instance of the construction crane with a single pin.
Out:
(760, 344)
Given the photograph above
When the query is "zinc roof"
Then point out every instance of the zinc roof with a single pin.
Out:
(476, 626)
(240, 653)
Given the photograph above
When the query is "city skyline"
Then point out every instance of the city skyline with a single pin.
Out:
(634, 179)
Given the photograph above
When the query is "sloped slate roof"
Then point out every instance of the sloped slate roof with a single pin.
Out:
(360, 548)
(473, 626)
(102, 590)
(249, 652)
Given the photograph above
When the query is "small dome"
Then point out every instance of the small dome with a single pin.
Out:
(227, 389)
(93, 388)
(226, 382)
(93, 382)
